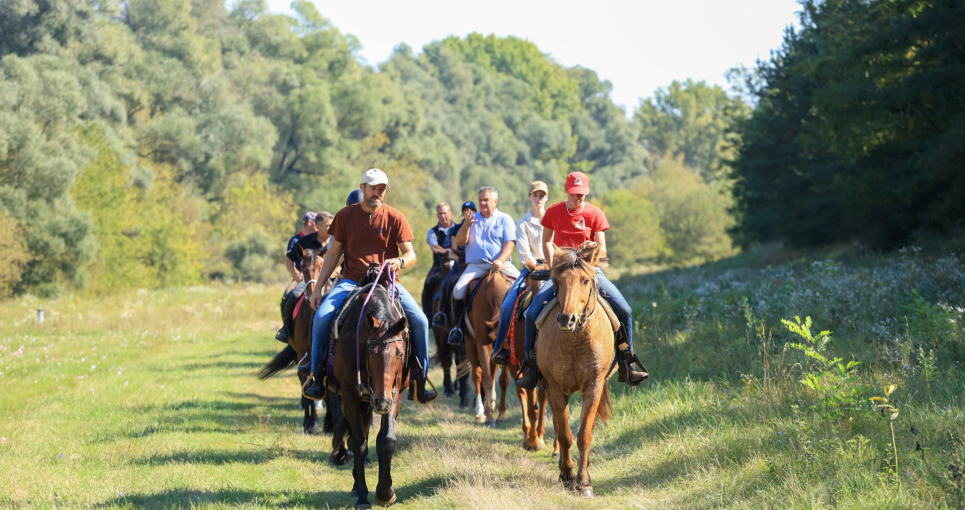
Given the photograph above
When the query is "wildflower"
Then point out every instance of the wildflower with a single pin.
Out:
(60, 455)
(780, 433)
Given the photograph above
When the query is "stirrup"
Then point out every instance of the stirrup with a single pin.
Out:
(456, 337)
(628, 374)
(530, 379)
(439, 319)
(316, 390)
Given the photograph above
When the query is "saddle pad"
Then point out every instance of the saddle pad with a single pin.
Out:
(298, 306)
(341, 314)
(614, 321)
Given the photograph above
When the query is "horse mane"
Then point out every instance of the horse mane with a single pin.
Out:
(310, 256)
(571, 258)
(381, 307)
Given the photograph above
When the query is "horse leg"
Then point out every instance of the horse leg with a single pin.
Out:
(584, 438)
(340, 453)
(463, 380)
(488, 382)
(541, 422)
(358, 410)
(503, 385)
(532, 440)
(561, 424)
(310, 421)
(385, 444)
(332, 412)
(445, 360)
(527, 423)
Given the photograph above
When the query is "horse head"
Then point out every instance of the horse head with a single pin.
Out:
(311, 268)
(574, 277)
(386, 332)
(449, 260)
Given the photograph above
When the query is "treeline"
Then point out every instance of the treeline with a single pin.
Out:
(149, 143)
(859, 129)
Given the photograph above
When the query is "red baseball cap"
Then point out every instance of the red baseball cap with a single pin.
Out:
(578, 183)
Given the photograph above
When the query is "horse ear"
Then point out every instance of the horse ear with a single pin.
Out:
(373, 322)
(557, 251)
(301, 251)
(399, 326)
(590, 252)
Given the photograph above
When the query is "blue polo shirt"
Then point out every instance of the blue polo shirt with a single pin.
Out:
(488, 235)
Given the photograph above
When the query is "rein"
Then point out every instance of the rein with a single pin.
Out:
(393, 292)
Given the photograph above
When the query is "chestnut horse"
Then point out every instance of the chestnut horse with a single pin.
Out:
(577, 355)
(300, 345)
(533, 402)
(483, 316)
(369, 374)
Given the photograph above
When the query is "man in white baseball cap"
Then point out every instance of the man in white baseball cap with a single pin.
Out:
(365, 233)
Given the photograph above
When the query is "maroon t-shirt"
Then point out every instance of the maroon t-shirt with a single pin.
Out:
(571, 228)
(368, 238)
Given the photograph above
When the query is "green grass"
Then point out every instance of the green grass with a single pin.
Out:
(149, 400)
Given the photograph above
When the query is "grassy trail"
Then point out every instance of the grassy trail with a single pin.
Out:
(149, 400)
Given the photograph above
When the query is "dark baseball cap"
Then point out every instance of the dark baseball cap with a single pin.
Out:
(354, 197)
(469, 204)
(309, 216)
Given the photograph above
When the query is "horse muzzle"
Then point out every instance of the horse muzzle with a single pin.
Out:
(381, 405)
(566, 321)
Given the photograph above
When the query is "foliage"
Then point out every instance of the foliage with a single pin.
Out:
(693, 120)
(932, 323)
(859, 126)
(640, 239)
(13, 253)
(834, 381)
(886, 408)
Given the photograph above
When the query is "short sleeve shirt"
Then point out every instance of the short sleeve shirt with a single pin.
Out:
(571, 229)
(369, 238)
(487, 236)
(309, 242)
(291, 244)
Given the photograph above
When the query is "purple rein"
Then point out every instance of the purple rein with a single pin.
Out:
(393, 292)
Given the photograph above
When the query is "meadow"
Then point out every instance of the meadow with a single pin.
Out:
(149, 399)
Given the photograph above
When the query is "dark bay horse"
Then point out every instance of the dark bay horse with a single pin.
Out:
(576, 355)
(369, 375)
(446, 353)
(483, 316)
(300, 345)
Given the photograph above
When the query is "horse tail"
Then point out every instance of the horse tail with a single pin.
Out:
(463, 368)
(605, 410)
(284, 359)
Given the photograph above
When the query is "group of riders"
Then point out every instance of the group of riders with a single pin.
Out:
(367, 231)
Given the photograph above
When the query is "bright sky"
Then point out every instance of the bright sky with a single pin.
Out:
(638, 45)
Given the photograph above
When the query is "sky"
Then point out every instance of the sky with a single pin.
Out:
(639, 46)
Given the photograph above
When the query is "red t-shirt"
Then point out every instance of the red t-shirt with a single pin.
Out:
(571, 228)
(368, 237)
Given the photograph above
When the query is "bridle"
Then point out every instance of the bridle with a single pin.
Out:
(591, 301)
(393, 292)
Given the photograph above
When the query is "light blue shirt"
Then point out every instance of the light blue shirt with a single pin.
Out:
(487, 236)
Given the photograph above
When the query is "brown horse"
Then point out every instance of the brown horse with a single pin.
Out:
(533, 402)
(483, 317)
(371, 347)
(300, 344)
(577, 356)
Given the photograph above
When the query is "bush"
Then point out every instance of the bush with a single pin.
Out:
(13, 253)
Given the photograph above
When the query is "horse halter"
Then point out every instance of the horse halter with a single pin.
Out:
(393, 293)
(586, 313)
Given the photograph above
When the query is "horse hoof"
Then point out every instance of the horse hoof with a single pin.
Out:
(363, 506)
(463, 407)
(340, 457)
(529, 448)
(312, 430)
(481, 419)
(556, 455)
(490, 424)
(390, 502)
(584, 490)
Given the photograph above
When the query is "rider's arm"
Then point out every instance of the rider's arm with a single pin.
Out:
(407, 254)
(328, 266)
(462, 238)
(506, 252)
(548, 245)
(601, 238)
(290, 266)
(433, 241)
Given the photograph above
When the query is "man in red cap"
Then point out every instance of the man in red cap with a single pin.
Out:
(569, 224)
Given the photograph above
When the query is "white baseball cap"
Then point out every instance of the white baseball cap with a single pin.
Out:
(374, 177)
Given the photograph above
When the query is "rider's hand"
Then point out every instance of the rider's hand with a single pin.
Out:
(316, 299)
(297, 277)
(498, 265)
(395, 264)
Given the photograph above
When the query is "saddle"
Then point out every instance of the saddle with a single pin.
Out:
(614, 321)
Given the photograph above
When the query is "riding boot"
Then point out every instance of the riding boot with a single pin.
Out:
(422, 395)
(626, 372)
(501, 357)
(282, 334)
(316, 390)
(458, 310)
(530, 379)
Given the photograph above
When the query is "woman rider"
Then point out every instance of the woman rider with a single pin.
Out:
(569, 224)
(529, 244)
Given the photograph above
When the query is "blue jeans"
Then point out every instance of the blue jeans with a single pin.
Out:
(609, 292)
(333, 302)
(506, 310)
